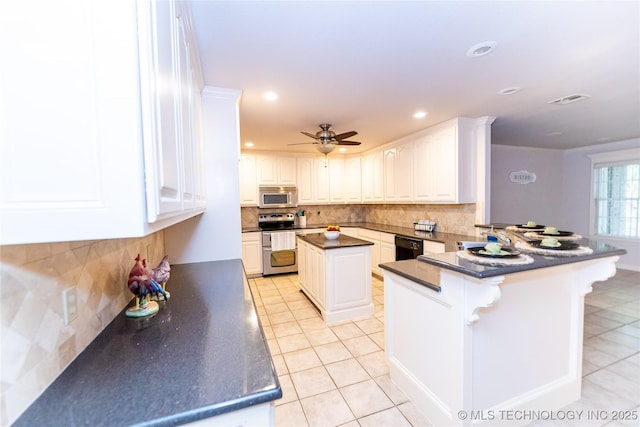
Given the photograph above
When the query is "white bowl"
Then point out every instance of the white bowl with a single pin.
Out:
(331, 235)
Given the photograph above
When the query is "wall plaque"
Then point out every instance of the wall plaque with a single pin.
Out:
(522, 177)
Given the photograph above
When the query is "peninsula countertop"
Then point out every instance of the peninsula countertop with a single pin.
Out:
(203, 354)
(451, 261)
(343, 241)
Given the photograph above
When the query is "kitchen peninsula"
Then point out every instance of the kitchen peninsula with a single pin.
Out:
(462, 336)
(336, 275)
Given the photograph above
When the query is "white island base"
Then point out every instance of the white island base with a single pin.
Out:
(336, 278)
(489, 351)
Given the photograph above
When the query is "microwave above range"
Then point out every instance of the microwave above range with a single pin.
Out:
(278, 197)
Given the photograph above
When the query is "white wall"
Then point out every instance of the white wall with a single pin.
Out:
(577, 196)
(216, 234)
(561, 194)
(539, 201)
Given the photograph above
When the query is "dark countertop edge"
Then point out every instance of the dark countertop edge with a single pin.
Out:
(319, 241)
(449, 239)
(411, 277)
(539, 262)
(221, 408)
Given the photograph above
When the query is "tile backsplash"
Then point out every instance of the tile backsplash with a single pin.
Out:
(36, 344)
(459, 219)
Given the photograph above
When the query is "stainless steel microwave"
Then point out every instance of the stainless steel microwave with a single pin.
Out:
(278, 197)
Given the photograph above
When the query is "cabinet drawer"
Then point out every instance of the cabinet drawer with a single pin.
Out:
(432, 247)
(365, 234)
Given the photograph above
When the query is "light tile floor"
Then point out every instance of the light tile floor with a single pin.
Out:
(337, 376)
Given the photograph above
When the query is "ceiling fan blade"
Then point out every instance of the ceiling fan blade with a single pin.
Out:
(345, 135)
(349, 143)
(310, 135)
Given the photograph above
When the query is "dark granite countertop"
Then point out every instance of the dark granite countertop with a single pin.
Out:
(343, 241)
(202, 355)
(449, 239)
(451, 261)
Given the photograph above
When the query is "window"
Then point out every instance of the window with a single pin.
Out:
(616, 194)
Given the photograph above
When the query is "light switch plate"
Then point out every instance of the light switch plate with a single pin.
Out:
(70, 304)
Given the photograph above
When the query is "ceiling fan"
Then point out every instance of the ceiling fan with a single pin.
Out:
(327, 140)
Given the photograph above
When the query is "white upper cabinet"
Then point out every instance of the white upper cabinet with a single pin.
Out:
(345, 180)
(94, 148)
(248, 181)
(276, 170)
(372, 177)
(398, 173)
(445, 163)
(313, 180)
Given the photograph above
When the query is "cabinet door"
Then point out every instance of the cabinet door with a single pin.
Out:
(353, 180)
(162, 147)
(286, 171)
(387, 247)
(372, 174)
(389, 175)
(321, 180)
(404, 173)
(305, 180)
(318, 275)
(252, 253)
(444, 170)
(422, 191)
(248, 181)
(337, 182)
(267, 167)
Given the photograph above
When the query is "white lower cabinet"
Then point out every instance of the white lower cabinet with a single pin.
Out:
(431, 247)
(383, 250)
(252, 253)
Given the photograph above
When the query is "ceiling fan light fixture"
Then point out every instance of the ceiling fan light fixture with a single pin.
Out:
(481, 49)
(326, 148)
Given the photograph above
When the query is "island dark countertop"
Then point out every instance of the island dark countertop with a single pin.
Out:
(451, 261)
(203, 354)
(343, 241)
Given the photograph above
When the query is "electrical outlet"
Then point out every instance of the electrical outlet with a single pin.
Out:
(70, 304)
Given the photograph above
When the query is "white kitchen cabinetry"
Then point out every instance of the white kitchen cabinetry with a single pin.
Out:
(313, 180)
(276, 170)
(398, 173)
(431, 247)
(383, 250)
(248, 181)
(252, 253)
(372, 177)
(345, 180)
(337, 280)
(444, 163)
(350, 231)
(109, 150)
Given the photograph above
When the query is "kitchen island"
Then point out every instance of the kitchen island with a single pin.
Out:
(471, 343)
(336, 275)
(202, 357)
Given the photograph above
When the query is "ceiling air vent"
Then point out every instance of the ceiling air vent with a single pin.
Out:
(569, 99)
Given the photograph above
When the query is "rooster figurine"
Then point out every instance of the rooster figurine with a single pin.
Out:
(143, 286)
(161, 275)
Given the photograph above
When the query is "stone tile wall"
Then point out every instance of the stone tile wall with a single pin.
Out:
(36, 344)
(458, 219)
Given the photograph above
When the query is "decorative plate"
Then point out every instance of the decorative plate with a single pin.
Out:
(558, 234)
(564, 245)
(535, 227)
(504, 253)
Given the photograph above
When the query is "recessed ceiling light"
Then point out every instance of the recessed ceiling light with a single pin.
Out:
(342, 149)
(481, 49)
(270, 96)
(419, 114)
(248, 144)
(509, 90)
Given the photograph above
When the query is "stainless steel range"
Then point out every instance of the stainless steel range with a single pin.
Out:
(279, 253)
